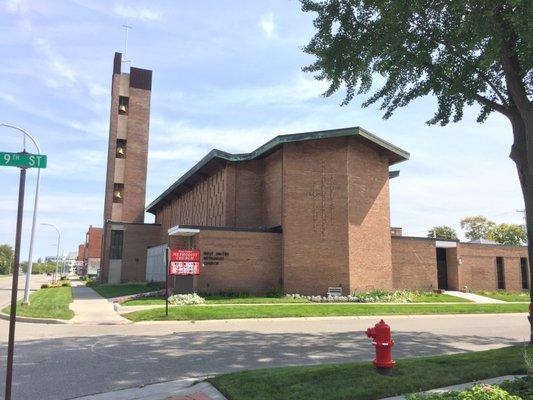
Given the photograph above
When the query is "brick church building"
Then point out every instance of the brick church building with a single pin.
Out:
(302, 213)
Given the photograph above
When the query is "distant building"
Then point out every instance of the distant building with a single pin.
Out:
(92, 250)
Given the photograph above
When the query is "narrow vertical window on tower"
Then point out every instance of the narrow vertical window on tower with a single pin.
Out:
(121, 148)
(115, 250)
(123, 103)
(118, 193)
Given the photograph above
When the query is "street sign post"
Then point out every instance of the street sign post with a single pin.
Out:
(23, 161)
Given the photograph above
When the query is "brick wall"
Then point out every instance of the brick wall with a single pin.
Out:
(247, 261)
(93, 247)
(136, 156)
(272, 189)
(478, 267)
(315, 215)
(137, 239)
(414, 263)
(369, 238)
(248, 194)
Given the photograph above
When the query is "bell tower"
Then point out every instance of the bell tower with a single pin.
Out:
(128, 144)
(127, 157)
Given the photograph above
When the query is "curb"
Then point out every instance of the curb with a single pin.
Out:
(34, 320)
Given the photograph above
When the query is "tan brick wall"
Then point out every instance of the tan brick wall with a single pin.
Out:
(368, 218)
(315, 215)
(414, 263)
(251, 261)
(272, 189)
(478, 268)
(137, 239)
(136, 156)
(249, 194)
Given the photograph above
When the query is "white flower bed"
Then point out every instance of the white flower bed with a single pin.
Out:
(185, 299)
(328, 299)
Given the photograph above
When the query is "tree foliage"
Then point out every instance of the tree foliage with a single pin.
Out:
(6, 259)
(442, 232)
(454, 49)
(509, 234)
(477, 227)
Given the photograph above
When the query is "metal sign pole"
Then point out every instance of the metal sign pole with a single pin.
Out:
(167, 266)
(14, 288)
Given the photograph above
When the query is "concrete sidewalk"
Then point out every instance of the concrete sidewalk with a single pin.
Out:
(172, 390)
(476, 298)
(91, 308)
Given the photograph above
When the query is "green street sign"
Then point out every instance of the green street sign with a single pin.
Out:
(22, 160)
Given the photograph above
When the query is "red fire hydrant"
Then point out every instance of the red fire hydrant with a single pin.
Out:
(383, 343)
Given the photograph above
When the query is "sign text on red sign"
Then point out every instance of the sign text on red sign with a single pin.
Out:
(185, 255)
(184, 268)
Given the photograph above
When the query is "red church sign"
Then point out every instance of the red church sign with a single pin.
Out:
(184, 262)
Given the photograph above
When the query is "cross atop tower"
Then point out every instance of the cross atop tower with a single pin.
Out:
(126, 30)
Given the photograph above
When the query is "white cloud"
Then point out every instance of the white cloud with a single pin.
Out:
(62, 74)
(268, 25)
(17, 6)
(139, 13)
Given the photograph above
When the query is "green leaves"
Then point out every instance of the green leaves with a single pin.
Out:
(450, 48)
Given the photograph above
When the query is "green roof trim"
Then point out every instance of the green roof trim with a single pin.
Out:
(397, 154)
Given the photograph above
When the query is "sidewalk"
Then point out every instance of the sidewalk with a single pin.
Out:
(476, 298)
(172, 390)
(91, 308)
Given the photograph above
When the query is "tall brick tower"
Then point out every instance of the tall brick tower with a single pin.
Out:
(128, 144)
(125, 189)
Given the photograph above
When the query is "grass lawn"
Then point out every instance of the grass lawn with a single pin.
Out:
(360, 381)
(47, 303)
(505, 296)
(438, 298)
(316, 310)
(109, 290)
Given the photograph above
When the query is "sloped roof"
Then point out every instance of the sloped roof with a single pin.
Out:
(215, 156)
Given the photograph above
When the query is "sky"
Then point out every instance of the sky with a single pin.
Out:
(227, 75)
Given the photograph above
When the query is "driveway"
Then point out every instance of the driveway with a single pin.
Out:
(65, 361)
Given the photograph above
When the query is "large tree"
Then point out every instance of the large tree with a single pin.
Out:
(6, 258)
(510, 234)
(461, 51)
(442, 232)
(477, 227)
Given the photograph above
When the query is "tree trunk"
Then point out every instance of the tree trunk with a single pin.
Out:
(522, 155)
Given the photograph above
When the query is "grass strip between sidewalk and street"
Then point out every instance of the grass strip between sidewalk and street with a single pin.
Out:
(196, 312)
(47, 303)
(360, 381)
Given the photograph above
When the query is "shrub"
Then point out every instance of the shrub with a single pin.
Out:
(45, 286)
(185, 299)
(478, 392)
(65, 284)
(522, 387)
(227, 293)
(274, 293)
(91, 282)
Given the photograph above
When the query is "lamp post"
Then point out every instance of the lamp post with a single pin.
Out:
(36, 201)
(58, 244)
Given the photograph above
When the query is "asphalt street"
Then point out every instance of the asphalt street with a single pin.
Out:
(66, 361)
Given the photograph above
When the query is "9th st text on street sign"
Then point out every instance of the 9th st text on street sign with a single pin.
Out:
(22, 160)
